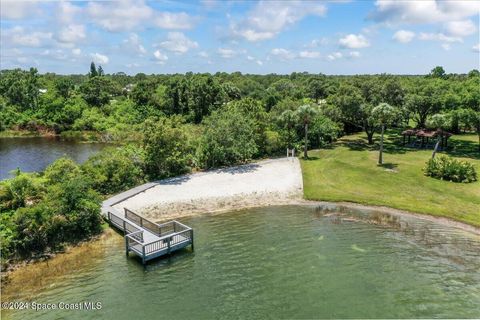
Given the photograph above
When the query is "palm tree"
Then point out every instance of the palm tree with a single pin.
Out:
(384, 115)
(288, 120)
(440, 122)
(305, 114)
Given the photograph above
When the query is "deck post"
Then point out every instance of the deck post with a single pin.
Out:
(143, 254)
(168, 243)
(124, 227)
(126, 246)
(191, 238)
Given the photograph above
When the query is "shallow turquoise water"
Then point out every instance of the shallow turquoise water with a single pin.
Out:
(285, 262)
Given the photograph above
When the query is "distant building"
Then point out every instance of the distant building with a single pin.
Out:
(42, 91)
(128, 88)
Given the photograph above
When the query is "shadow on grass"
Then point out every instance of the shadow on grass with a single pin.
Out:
(390, 166)
(310, 158)
(463, 148)
(393, 144)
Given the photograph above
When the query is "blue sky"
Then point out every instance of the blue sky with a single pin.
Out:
(332, 37)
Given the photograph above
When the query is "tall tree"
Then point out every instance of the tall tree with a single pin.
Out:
(384, 114)
(305, 114)
(93, 70)
(423, 100)
(437, 72)
(472, 119)
(288, 120)
(100, 71)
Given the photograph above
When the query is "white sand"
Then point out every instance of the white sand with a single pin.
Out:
(268, 182)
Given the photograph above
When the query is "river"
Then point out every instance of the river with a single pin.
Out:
(36, 153)
(276, 262)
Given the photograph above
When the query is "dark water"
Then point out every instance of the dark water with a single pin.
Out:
(35, 154)
(283, 262)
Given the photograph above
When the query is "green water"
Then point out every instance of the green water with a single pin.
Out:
(284, 262)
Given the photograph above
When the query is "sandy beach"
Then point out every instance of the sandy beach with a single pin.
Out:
(264, 183)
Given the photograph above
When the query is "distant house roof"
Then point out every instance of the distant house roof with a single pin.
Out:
(128, 87)
(42, 90)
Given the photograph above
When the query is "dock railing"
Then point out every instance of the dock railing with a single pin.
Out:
(171, 235)
(125, 226)
(170, 240)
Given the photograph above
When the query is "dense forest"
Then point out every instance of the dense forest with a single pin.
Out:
(166, 125)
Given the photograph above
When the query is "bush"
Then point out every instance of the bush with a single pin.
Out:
(446, 168)
(166, 147)
(228, 139)
(115, 169)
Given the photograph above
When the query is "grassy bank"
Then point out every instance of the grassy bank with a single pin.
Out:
(81, 136)
(348, 171)
(24, 133)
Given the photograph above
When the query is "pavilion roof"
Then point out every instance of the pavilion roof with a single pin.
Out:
(426, 133)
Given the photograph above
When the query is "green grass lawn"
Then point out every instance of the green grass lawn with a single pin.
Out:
(348, 171)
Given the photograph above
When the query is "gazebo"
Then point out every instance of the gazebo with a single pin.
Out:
(425, 138)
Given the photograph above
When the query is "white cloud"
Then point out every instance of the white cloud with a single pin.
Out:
(253, 36)
(460, 28)
(14, 9)
(160, 57)
(283, 54)
(169, 20)
(67, 12)
(354, 54)
(438, 37)
(21, 37)
(133, 45)
(425, 11)
(250, 58)
(403, 36)
(203, 54)
(76, 51)
(268, 18)
(132, 65)
(210, 4)
(259, 62)
(334, 56)
(309, 54)
(57, 54)
(121, 15)
(99, 58)
(317, 43)
(353, 41)
(226, 53)
(476, 48)
(177, 42)
(72, 33)
(128, 15)
(446, 46)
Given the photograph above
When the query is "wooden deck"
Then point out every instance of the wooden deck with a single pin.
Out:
(148, 239)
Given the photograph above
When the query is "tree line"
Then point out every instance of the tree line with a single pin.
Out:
(166, 125)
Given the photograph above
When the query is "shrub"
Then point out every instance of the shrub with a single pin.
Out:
(115, 169)
(446, 168)
(62, 169)
(228, 139)
(167, 152)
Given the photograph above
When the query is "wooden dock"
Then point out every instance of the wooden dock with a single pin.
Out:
(147, 239)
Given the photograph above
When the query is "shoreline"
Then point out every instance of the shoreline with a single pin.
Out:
(108, 233)
(349, 205)
(70, 249)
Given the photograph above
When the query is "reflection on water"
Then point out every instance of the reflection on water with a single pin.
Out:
(281, 262)
(36, 153)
